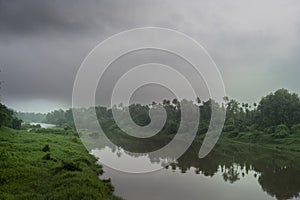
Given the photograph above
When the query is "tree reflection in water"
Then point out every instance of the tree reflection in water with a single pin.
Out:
(277, 172)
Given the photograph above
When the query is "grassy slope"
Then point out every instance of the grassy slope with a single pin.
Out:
(289, 143)
(67, 172)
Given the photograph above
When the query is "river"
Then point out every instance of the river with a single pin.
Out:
(44, 125)
(230, 171)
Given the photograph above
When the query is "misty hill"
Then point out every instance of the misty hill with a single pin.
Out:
(31, 117)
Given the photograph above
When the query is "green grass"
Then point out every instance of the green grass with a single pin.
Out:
(289, 143)
(65, 170)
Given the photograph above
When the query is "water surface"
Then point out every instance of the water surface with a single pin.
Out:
(230, 171)
(44, 125)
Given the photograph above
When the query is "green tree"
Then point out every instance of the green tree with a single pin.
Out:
(281, 107)
(8, 118)
(4, 115)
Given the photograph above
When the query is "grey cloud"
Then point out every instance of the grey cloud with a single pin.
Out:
(25, 17)
(42, 43)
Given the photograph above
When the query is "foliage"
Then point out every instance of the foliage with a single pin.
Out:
(27, 126)
(233, 134)
(60, 118)
(295, 129)
(282, 107)
(276, 116)
(68, 172)
(281, 131)
(46, 148)
(31, 117)
(16, 123)
(58, 131)
(8, 118)
(228, 128)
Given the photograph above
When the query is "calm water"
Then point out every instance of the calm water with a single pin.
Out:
(44, 125)
(232, 172)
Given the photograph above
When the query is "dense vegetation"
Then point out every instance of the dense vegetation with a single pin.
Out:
(275, 117)
(53, 163)
(8, 118)
(48, 165)
(31, 117)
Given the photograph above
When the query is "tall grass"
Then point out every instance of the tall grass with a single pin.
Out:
(48, 166)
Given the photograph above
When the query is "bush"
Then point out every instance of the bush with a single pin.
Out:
(270, 130)
(47, 157)
(203, 127)
(253, 127)
(57, 131)
(233, 134)
(295, 129)
(75, 139)
(28, 126)
(46, 148)
(67, 127)
(16, 123)
(281, 134)
(68, 166)
(228, 128)
(171, 127)
(281, 131)
(71, 166)
(255, 136)
(281, 127)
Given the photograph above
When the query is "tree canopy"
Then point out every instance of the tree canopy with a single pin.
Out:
(281, 108)
(8, 118)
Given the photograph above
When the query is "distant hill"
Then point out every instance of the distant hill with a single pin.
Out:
(31, 117)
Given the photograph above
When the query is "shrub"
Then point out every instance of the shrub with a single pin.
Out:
(67, 127)
(171, 127)
(46, 148)
(281, 127)
(228, 128)
(295, 129)
(255, 135)
(69, 166)
(281, 131)
(57, 131)
(253, 127)
(203, 127)
(270, 130)
(28, 126)
(233, 134)
(46, 157)
(75, 140)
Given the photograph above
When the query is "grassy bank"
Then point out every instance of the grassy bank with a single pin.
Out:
(291, 142)
(48, 166)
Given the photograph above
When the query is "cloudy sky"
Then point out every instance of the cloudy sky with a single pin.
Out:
(256, 44)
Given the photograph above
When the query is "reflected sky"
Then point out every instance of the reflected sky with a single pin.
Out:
(226, 173)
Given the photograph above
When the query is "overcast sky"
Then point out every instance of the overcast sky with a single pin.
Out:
(256, 44)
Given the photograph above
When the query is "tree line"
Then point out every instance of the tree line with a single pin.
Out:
(8, 118)
(31, 117)
(277, 113)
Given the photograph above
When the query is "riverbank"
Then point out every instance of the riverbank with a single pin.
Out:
(48, 166)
